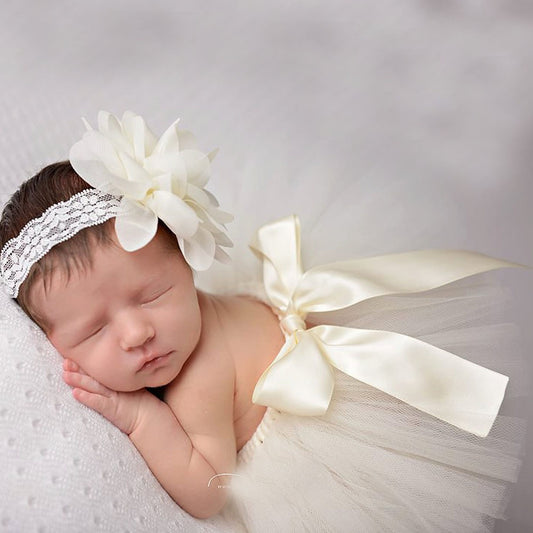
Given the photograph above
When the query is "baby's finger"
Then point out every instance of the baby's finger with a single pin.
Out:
(71, 366)
(85, 382)
(107, 407)
(95, 401)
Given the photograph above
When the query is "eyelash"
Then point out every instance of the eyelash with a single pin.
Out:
(95, 332)
(156, 297)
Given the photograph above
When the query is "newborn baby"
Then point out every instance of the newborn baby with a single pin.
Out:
(125, 321)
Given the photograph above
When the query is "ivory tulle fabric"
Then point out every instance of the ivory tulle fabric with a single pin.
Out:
(375, 464)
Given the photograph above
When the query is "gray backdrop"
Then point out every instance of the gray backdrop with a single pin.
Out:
(430, 99)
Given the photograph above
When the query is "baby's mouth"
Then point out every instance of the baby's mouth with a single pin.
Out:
(153, 361)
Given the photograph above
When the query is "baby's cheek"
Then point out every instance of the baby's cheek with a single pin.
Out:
(58, 344)
(185, 324)
(91, 359)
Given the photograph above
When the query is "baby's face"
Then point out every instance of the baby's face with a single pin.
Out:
(131, 321)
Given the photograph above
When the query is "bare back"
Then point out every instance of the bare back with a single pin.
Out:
(244, 338)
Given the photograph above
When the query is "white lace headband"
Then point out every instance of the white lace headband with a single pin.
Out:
(138, 179)
(58, 223)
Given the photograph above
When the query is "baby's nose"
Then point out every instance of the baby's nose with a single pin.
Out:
(135, 330)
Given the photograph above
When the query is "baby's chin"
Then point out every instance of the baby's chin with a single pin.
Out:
(153, 382)
(146, 384)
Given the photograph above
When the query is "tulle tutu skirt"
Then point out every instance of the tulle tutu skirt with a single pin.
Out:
(375, 464)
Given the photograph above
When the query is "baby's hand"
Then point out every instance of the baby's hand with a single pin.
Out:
(121, 408)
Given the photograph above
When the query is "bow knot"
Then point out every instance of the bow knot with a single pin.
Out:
(300, 380)
(291, 323)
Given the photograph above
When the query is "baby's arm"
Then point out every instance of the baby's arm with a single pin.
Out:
(184, 463)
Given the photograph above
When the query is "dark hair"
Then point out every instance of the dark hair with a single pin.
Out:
(54, 183)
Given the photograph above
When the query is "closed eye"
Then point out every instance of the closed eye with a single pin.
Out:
(156, 296)
(96, 331)
(92, 334)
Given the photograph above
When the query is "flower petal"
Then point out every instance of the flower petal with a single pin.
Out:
(213, 217)
(207, 202)
(199, 251)
(221, 217)
(134, 171)
(222, 256)
(198, 196)
(94, 173)
(167, 163)
(187, 140)
(140, 136)
(162, 182)
(207, 221)
(168, 143)
(108, 124)
(111, 128)
(198, 167)
(91, 158)
(223, 240)
(212, 198)
(174, 212)
(94, 146)
(87, 125)
(135, 225)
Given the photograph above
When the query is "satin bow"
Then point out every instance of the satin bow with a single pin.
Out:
(300, 380)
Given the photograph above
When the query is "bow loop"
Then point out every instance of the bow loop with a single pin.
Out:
(301, 384)
(300, 380)
(278, 246)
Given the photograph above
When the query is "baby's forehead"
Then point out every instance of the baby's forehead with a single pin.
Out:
(76, 274)
(43, 288)
(76, 257)
(107, 266)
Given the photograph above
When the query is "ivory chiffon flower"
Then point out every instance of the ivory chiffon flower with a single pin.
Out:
(155, 178)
